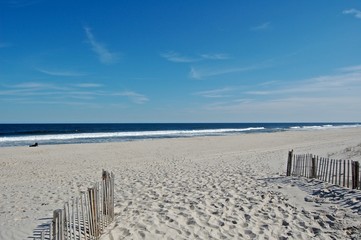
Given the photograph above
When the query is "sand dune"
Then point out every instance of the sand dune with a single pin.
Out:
(230, 187)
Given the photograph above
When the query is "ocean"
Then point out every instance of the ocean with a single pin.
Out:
(26, 134)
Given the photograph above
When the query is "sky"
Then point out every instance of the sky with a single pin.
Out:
(180, 61)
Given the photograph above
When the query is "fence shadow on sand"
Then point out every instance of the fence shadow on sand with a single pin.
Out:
(84, 217)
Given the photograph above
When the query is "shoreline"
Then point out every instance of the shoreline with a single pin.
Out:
(63, 134)
(36, 181)
(235, 135)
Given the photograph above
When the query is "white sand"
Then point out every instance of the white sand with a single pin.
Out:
(192, 188)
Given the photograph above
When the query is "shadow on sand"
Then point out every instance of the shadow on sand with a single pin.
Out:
(322, 192)
(42, 228)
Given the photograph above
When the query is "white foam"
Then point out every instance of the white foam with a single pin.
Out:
(50, 137)
(322, 127)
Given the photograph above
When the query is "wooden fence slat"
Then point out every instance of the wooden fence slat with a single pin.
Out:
(83, 216)
(323, 167)
(330, 171)
(304, 165)
(335, 171)
(314, 167)
(55, 219)
(294, 160)
(307, 175)
(61, 222)
(356, 175)
(289, 163)
(65, 222)
(344, 173)
(78, 217)
(348, 173)
(318, 166)
(91, 216)
(87, 210)
(327, 169)
(87, 216)
(73, 218)
(338, 172)
(353, 174)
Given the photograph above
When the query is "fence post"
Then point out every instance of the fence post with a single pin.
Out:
(58, 222)
(289, 163)
(93, 211)
(355, 174)
(87, 217)
(314, 167)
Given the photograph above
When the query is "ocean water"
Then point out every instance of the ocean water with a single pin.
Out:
(26, 134)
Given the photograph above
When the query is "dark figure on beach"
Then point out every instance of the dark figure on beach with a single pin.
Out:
(34, 145)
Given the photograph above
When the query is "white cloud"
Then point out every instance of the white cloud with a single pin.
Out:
(134, 97)
(31, 85)
(333, 97)
(345, 83)
(176, 57)
(215, 93)
(62, 73)
(105, 56)
(53, 92)
(356, 13)
(88, 85)
(350, 68)
(36, 86)
(203, 73)
(216, 56)
(263, 26)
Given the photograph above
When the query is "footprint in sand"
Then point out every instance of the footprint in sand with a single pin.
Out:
(251, 234)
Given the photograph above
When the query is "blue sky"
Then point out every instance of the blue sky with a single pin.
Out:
(180, 61)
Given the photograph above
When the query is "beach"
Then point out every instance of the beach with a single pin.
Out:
(219, 187)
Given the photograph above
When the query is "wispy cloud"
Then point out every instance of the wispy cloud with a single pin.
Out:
(215, 93)
(36, 86)
(216, 56)
(62, 73)
(37, 91)
(105, 56)
(333, 97)
(261, 27)
(179, 58)
(197, 73)
(88, 85)
(341, 83)
(356, 13)
(134, 97)
(296, 109)
(350, 68)
(176, 57)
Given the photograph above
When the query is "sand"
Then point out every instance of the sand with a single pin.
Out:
(225, 187)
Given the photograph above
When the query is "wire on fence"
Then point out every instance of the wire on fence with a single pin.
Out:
(345, 173)
(84, 217)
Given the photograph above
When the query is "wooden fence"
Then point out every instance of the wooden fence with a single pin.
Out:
(84, 217)
(344, 173)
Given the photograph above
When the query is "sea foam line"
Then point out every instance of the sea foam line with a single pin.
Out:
(126, 134)
(321, 127)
